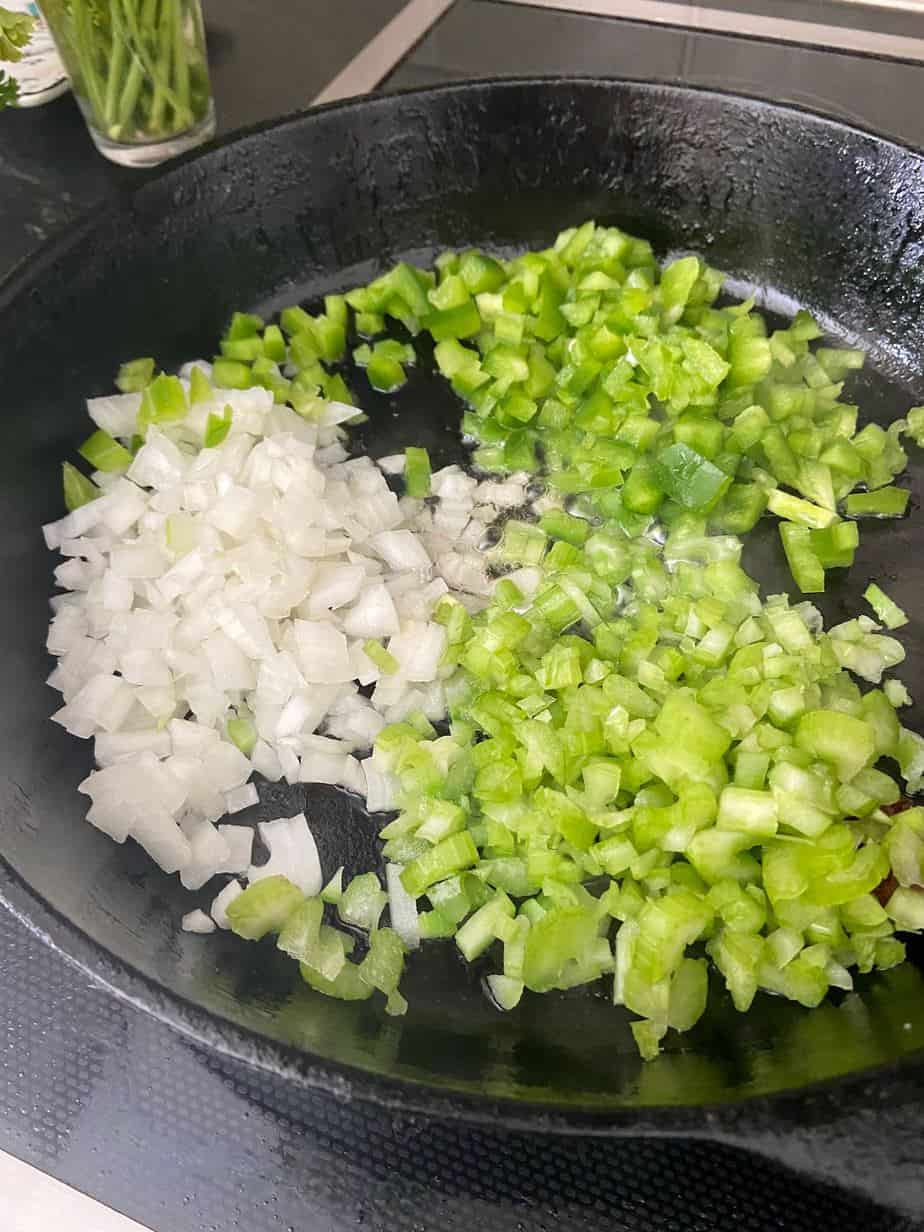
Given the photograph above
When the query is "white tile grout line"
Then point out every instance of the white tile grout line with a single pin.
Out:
(757, 25)
(36, 1202)
(382, 53)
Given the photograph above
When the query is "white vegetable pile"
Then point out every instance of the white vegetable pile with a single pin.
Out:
(242, 581)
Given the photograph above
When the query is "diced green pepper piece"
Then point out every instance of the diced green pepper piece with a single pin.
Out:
(887, 502)
(806, 568)
(231, 374)
(461, 322)
(242, 733)
(480, 272)
(799, 511)
(368, 324)
(78, 489)
(689, 478)
(274, 344)
(295, 320)
(217, 428)
(200, 387)
(244, 325)
(383, 659)
(836, 544)
(885, 608)
(385, 375)
(416, 472)
(135, 375)
(244, 349)
(105, 454)
(560, 525)
(164, 401)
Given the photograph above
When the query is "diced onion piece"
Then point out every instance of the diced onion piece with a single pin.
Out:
(197, 922)
(222, 901)
(402, 907)
(293, 854)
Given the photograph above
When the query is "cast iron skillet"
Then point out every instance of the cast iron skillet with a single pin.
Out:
(802, 210)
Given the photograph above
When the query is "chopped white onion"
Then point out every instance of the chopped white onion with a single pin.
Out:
(381, 788)
(197, 922)
(209, 852)
(293, 854)
(243, 581)
(239, 798)
(222, 901)
(240, 847)
(402, 907)
(401, 549)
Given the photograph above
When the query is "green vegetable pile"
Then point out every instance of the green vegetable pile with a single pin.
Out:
(621, 382)
(648, 768)
(701, 768)
(631, 390)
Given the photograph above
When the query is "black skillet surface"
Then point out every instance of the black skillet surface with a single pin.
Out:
(803, 210)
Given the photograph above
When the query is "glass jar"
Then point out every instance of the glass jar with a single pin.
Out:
(139, 71)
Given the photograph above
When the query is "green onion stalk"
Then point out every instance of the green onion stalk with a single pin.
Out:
(138, 67)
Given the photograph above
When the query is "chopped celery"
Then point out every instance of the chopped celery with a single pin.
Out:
(362, 902)
(562, 946)
(453, 854)
(382, 968)
(482, 928)
(506, 991)
(333, 891)
(301, 934)
(347, 985)
(264, 907)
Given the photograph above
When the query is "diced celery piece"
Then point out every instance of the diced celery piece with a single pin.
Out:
(264, 907)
